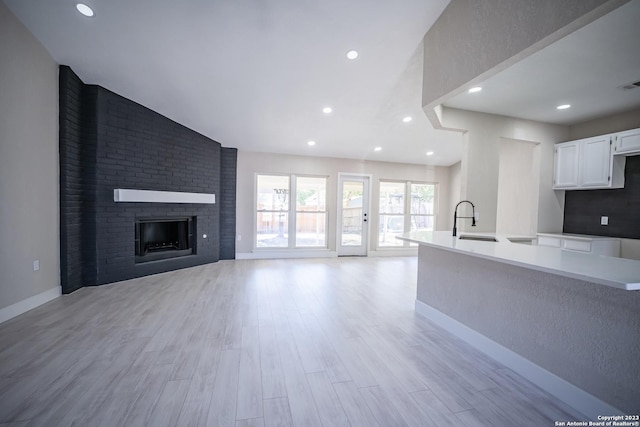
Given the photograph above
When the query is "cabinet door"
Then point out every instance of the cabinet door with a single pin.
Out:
(627, 142)
(553, 242)
(595, 162)
(576, 245)
(565, 174)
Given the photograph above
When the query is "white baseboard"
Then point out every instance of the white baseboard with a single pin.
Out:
(306, 253)
(573, 396)
(394, 252)
(296, 253)
(30, 303)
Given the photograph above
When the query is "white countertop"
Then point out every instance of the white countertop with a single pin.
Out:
(615, 272)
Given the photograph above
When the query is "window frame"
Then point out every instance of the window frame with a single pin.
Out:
(407, 215)
(291, 212)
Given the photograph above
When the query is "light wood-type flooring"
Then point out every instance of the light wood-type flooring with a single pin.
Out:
(320, 342)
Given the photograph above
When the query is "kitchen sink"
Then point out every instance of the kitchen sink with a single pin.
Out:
(478, 238)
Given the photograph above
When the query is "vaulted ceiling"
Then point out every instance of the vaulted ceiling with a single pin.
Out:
(256, 75)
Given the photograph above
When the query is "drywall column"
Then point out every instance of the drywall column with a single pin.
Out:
(28, 170)
(518, 179)
(481, 157)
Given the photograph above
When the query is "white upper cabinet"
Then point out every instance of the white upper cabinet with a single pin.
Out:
(566, 165)
(595, 161)
(627, 143)
(587, 164)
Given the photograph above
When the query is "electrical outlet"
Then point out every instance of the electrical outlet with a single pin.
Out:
(36, 265)
(239, 237)
(604, 220)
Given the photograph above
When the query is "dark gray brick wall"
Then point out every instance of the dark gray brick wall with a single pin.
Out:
(77, 151)
(228, 163)
(117, 143)
(138, 148)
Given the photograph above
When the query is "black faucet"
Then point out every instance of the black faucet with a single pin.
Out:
(455, 216)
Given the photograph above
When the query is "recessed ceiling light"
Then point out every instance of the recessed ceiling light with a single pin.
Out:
(563, 106)
(475, 89)
(327, 110)
(407, 119)
(352, 54)
(84, 9)
(377, 149)
(311, 143)
(429, 153)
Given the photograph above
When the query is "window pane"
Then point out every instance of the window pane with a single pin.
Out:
(311, 194)
(390, 227)
(392, 197)
(422, 199)
(352, 194)
(351, 232)
(273, 193)
(421, 223)
(311, 230)
(272, 230)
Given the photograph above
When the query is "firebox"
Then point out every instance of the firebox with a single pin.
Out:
(164, 238)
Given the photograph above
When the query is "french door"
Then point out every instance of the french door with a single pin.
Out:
(353, 215)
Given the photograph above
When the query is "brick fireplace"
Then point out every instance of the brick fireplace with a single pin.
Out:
(108, 142)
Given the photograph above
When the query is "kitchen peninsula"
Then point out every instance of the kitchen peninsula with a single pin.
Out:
(567, 321)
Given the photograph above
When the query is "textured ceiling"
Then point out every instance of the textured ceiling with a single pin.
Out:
(255, 75)
(584, 69)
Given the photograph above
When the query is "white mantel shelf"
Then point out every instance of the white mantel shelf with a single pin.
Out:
(151, 196)
(618, 273)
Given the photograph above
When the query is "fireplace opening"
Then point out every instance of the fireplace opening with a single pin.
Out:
(164, 238)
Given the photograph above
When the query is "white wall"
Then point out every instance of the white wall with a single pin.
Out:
(481, 158)
(29, 223)
(518, 188)
(610, 124)
(252, 163)
(455, 173)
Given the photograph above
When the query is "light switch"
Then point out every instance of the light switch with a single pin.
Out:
(604, 220)
(36, 265)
